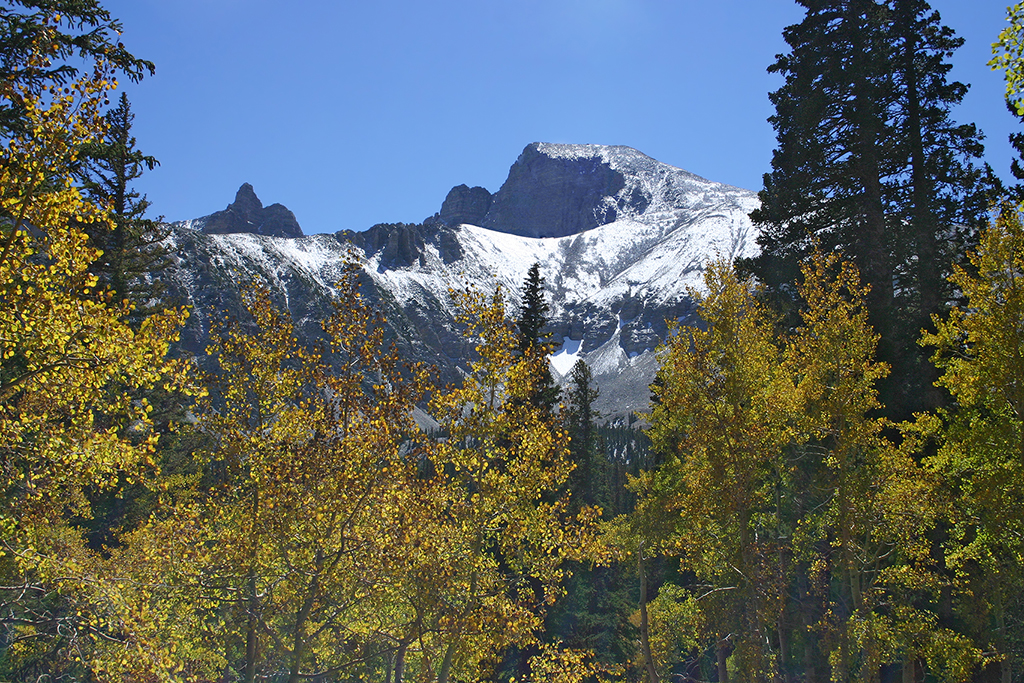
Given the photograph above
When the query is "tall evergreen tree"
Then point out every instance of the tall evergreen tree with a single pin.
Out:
(533, 311)
(131, 257)
(594, 612)
(870, 161)
(533, 340)
(132, 247)
(589, 480)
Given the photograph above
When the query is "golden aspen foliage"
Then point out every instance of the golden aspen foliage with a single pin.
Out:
(801, 529)
(864, 536)
(329, 536)
(979, 348)
(723, 411)
(65, 433)
(1008, 55)
(557, 664)
(300, 520)
(501, 474)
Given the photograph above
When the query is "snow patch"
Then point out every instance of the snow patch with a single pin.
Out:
(565, 358)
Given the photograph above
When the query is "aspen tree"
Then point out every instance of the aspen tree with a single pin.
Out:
(723, 413)
(980, 350)
(863, 535)
(307, 506)
(65, 434)
(507, 530)
(802, 529)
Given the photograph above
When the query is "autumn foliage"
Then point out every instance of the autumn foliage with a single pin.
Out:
(298, 522)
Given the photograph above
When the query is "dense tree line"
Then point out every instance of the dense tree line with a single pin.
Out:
(802, 505)
(830, 446)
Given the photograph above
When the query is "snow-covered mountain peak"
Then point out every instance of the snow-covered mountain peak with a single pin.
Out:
(556, 190)
(608, 153)
(619, 236)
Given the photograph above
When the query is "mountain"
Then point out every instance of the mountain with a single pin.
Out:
(247, 214)
(619, 238)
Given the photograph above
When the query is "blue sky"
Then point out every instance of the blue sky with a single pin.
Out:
(355, 113)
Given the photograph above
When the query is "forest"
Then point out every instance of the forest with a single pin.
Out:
(828, 486)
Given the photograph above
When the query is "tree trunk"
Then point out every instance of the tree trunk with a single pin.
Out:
(784, 648)
(910, 669)
(251, 629)
(400, 660)
(849, 569)
(924, 226)
(870, 244)
(723, 661)
(449, 654)
(252, 598)
(808, 612)
(1006, 665)
(645, 636)
(299, 642)
(446, 664)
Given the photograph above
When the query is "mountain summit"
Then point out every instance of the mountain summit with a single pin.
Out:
(556, 190)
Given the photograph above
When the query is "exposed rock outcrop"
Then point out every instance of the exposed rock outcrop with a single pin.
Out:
(554, 195)
(247, 214)
(401, 245)
(463, 204)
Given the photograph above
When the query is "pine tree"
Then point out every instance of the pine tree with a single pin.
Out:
(132, 249)
(594, 611)
(869, 160)
(533, 341)
(130, 258)
(589, 480)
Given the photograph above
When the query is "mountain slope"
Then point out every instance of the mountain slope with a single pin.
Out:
(611, 286)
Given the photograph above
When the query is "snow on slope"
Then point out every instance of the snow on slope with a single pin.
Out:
(318, 259)
(610, 288)
(606, 286)
(563, 360)
(656, 256)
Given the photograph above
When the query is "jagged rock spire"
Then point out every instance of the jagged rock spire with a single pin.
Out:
(247, 214)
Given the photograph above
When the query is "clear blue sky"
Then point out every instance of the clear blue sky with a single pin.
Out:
(354, 113)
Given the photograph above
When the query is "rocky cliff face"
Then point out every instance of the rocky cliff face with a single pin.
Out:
(556, 190)
(247, 214)
(463, 205)
(559, 190)
(619, 238)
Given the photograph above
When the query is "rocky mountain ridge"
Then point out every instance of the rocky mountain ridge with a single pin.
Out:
(247, 214)
(619, 238)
